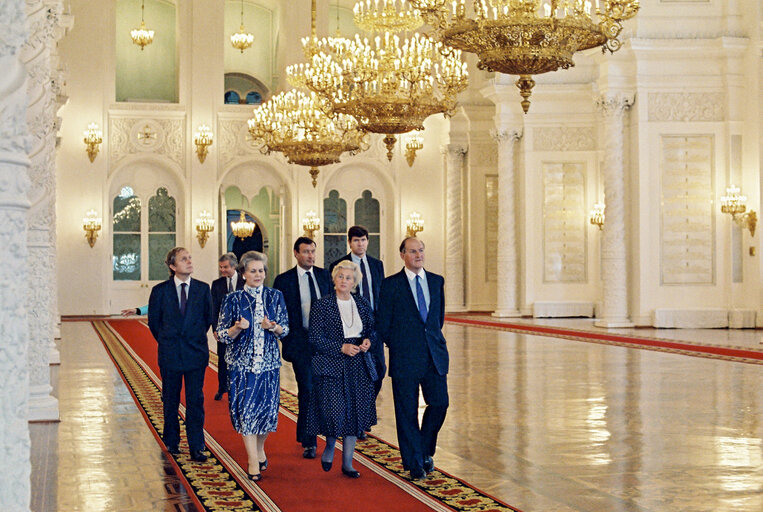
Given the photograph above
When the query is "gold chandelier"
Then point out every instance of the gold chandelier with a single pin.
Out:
(242, 39)
(390, 17)
(528, 37)
(242, 228)
(142, 36)
(297, 125)
(391, 84)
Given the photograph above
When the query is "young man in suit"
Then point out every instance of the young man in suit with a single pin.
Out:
(301, 286)
(229, 281)
(179, 315)
(410, 320)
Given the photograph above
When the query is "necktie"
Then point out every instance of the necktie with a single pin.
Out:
(421, 299)
(311, 284)
(230, 284)
(364, 283)
(183, 298)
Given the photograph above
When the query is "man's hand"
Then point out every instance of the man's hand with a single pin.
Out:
(129, 312)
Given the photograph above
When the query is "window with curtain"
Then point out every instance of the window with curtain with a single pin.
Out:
(161, 232)
(126, 233)
(367, 214)
(335, 228)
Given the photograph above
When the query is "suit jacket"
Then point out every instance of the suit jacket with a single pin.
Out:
(375, 267)
(411, 341)
(327, 337)
(295, 344)
(219, 291)
(182, 339)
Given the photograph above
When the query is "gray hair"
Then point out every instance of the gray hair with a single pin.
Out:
(230, 258)
(251, 256)
(347, 264)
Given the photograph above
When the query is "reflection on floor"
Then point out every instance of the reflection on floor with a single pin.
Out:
(542, 423)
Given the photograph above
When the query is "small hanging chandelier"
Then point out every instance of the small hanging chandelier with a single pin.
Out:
(242, 40)
(242, 228)
(142, 36)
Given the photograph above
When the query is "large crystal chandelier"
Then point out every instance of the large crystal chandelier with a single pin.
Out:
(242, 39)
(297, 125)
(527, 37)
(390, 84)
(142, 36)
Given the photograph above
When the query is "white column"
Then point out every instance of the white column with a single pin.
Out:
(454, 254)
(508, 250)
(613, 251)
(14, 270)
(42, 19)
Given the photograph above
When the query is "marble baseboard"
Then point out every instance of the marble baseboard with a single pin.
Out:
(707, 318)
(742, 318)
(562, 309)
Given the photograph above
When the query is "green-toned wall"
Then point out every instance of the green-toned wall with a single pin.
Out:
(151, 74)
(347, 26)
(256, 61)
(265, 207)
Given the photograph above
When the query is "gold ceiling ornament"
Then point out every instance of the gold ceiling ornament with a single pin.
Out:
(413, 143)
(390, 84)
(242, 228)
(393, 16)
(527, 37)
(242, 39)
(142, 36)
(297, 125)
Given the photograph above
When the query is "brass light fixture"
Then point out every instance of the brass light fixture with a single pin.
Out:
(93, 138)
(296, 124)
(735, 205)
(205, 224)
(91, 223)
(311, 223)
(203, 139)
(242, 228)
(142, 36)
(596, 217)
(390, 84)
(415, 224)
(527, 37)
(242, 39)
(413, 144)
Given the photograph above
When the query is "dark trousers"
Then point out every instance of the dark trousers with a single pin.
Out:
(303, 373)
(419, 442)
(222, 369)
(172, 382)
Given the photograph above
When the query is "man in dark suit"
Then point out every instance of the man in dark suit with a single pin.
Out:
(372, 271)
(179, 315)
(410, 320)
(301, 286)
(229, 281)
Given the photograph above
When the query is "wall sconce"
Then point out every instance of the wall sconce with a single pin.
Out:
(93, 139)
(311, 223)
(415, 224)
(203, 139)
(596, 217)
(91, 223)
(205, 224)
(413, 144)
(735, 205)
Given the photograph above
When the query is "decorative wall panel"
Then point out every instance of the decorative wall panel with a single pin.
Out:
(687, 106)
(564, 222)
(562, 138)
(131, 135)
(491, 227)
(687, 241)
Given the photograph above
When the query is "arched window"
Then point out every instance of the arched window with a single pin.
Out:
(126, 232)
(253, 98)
(367, 214)
(335, 228)
(232, 98)
(161, 232)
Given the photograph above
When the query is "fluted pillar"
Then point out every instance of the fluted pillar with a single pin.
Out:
(454, 254)
(508, 249)
(613, 250)
(14, 270)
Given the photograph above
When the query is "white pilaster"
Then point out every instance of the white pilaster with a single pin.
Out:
(454, 253)
(613, 251)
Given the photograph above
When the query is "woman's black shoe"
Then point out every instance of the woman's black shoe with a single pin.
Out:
(351, 473)
(254, 478)
(264, 465)
(326, 465)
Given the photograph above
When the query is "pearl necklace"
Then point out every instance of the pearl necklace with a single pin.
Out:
(352, 313)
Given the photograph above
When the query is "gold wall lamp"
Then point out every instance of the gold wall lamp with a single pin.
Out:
(91, 223)
(93, 139)
(735, 205)
(596, 217)
(413, 144)
(203, 139)
(311, 223)
(415, 224)
(205, 224)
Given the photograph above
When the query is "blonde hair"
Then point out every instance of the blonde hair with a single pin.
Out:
(347, 264)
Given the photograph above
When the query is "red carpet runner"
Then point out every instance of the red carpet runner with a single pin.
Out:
(290, 483)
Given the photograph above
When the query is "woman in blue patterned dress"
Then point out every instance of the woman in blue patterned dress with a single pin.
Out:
(343, 400)
(251, 322)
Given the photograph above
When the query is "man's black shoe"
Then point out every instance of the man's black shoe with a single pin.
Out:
(428, 464)
(219, 395)
(309, 452)
(417, 474)
(174, 450)
(198, 456)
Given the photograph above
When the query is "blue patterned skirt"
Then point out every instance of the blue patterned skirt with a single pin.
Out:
(253, 399)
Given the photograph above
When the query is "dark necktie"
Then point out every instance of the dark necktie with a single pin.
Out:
(311, 284)
(230, 284)
(364, 283)
(421, 299)
(183, 298)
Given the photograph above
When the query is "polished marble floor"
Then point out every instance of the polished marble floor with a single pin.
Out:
(544, 424)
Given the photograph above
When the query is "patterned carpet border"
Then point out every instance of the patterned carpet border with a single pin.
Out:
(736, 354)
(210, 483)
